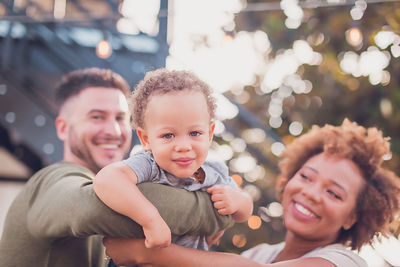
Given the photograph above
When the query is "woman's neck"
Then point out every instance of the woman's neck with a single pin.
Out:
(296, 246)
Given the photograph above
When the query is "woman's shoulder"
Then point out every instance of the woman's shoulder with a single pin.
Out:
(339, 255)
(263, 253)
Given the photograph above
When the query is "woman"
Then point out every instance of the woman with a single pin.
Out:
(334, 193)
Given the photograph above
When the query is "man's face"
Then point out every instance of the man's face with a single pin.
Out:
(94, 126)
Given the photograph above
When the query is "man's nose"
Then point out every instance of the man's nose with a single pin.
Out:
(113, 128)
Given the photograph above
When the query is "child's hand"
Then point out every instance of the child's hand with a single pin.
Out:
(157, 233)
(214, 239)
(224, 198)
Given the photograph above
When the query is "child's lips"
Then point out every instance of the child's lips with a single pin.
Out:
(183, 162)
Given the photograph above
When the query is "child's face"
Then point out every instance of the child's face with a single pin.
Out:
(178, 131)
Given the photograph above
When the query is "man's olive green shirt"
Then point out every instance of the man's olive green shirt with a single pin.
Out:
(57, 220)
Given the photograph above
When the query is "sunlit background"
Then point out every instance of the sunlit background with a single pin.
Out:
(276, 68)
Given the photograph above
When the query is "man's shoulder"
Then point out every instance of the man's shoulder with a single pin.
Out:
(65, 166)
(62, 168)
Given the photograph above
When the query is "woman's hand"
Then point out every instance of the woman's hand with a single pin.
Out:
(126, 251)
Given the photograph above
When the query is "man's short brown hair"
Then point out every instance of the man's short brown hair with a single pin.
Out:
(74, 82)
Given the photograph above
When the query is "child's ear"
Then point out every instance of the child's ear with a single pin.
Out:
(211, 131)
(143, 137)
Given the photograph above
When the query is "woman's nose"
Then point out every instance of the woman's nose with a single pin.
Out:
(312, 192)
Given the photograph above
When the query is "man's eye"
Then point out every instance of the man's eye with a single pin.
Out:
(96, 117)
(195, 133)
(168, 136)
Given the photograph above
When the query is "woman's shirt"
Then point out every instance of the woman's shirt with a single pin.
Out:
(335, 253)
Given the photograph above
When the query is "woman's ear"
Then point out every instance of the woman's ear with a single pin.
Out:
(351, 220)
(144, 138)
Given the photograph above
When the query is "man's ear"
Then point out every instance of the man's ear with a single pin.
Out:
(351, 220)
(61, 127)
(211, 131)
(144, 138)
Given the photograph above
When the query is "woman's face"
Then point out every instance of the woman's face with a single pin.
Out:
(321, 197)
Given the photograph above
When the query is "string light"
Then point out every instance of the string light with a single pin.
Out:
(354, 36)
(103, 49)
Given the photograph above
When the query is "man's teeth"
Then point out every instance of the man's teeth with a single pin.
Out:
(108, 146)
(304, 210)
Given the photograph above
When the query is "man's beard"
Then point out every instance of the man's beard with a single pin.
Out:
(79, 148)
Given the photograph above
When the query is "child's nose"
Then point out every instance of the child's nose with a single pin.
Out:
(183, 145)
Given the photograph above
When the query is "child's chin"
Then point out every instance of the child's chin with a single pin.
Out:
(182, 176)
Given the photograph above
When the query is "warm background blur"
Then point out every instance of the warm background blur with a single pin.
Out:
(277, 67)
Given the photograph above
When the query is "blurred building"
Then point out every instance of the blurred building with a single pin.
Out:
(42, 40)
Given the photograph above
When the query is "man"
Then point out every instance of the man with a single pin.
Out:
(57, 220)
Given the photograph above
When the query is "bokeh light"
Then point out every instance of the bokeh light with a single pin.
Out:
(103, 49)
(277, 148)
(275, 209)
(295, 128)
(354, 36)
(254, 222)
(238, 179)
(239, 240)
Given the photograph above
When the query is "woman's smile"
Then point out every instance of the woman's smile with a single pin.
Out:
(303, 212)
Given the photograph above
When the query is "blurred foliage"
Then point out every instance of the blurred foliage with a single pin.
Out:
(335, 94)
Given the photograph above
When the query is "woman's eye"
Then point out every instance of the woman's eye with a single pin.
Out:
(168, 136)
(195, 133)
(303, 176)
(334, 194)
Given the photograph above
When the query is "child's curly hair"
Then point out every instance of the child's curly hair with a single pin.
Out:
(378, 201)
(163, 81)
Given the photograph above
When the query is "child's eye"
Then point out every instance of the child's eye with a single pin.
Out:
(168, 136)
(195, 133)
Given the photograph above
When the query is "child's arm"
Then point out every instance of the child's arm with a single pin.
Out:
(228, 200)
(115, 185)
